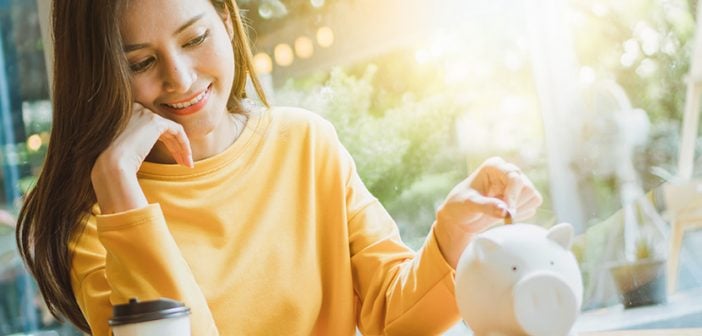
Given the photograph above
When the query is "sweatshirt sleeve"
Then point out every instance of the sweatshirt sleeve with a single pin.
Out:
(132, 255)
(400, 292)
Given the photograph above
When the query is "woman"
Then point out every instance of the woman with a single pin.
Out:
(158, 183)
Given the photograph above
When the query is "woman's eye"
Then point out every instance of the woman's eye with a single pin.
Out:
(141, 66)
(198, 40)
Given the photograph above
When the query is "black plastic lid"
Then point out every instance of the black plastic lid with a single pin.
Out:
(135, 311)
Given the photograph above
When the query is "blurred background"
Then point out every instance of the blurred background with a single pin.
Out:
(588, 97)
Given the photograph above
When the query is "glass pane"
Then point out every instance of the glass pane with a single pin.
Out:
(586, 96)
(25, 119)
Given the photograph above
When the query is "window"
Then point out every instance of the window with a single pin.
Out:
(25, 119)
(586, 96)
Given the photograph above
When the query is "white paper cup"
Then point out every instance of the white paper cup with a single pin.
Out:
(151, 318)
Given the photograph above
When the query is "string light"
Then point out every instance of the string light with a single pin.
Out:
(283, 55)
(263, 63)
(325, 37)
(304, 48)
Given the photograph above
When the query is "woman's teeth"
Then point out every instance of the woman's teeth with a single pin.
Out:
(189, 103)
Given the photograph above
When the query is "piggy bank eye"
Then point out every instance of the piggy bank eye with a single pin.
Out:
(514, 268)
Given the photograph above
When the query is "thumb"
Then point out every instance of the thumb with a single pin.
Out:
(491, 206)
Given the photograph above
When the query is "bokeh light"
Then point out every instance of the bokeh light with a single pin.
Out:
(263, 63)
(34, 142)
(325, 37)
(304, 47)
(269, 9)
(283, 55)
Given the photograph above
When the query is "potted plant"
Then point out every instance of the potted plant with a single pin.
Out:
(642, 281)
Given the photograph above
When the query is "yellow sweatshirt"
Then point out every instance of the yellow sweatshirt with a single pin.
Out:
(277, 235)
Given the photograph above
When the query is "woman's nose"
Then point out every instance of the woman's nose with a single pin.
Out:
(178, 75)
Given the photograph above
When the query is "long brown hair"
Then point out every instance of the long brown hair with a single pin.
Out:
(92, 104)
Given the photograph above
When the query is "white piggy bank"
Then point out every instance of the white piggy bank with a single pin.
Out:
(520, 279)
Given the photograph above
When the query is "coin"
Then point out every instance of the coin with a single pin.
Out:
(508, 217)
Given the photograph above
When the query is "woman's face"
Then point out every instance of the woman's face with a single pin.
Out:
(181, 59)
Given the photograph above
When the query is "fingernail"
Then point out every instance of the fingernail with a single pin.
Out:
(190, 161)
(503, 210)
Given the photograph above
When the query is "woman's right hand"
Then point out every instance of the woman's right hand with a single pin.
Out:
(114, 173)
(481, 200)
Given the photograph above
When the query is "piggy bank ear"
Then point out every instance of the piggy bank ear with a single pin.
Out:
(483, 246)
(561, 234)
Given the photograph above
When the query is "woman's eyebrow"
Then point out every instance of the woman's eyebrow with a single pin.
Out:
(189, 23)
(132, 47)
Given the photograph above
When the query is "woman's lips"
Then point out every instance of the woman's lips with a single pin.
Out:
(190, 106)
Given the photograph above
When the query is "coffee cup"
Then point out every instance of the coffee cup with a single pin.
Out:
(152, 318)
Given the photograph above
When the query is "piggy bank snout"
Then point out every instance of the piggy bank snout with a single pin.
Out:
(544, 304)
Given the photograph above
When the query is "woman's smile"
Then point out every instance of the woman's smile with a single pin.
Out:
(189, 105)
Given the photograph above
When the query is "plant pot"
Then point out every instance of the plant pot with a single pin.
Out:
(640, 283)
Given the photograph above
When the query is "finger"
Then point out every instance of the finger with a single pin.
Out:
(524, 215)
(184, 145)
(531, 203)
(529, 195)
(173, 147)
(514, 184)
(173, 135)
(494, 161)
(493, 207)
(180, 147)
(167, 136)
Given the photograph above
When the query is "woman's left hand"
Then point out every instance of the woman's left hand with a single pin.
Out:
(481, 200)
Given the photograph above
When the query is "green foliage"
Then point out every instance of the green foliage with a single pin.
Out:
(414, 207)
(405, 154)
(655, 36)
(397, 118)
